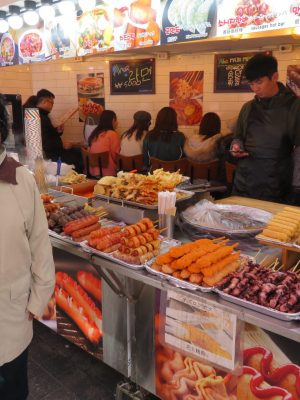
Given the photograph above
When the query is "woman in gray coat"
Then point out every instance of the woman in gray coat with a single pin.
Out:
(27, 273)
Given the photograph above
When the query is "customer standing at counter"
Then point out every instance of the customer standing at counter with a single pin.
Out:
(105, 138)
(267, 135)
(27, 274)
(164, 141)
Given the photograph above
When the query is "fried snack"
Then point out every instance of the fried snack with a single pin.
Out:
(136, 187)
(164, 259)
(218, 266)
(184, 274)
(213, 280)
(167, 269)
(196, 278)
(177, 274)
(72, 177)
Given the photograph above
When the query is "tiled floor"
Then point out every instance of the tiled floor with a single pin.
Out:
(59, 370)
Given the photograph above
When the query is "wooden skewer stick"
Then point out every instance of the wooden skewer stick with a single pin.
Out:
(256, 255)
(294, 269)
(163, 229)
(218, 239)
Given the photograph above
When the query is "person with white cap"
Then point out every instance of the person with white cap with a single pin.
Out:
(132, 139)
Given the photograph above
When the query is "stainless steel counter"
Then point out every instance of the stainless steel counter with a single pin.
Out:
(111, 270)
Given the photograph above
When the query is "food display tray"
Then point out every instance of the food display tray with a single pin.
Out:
(176, 281)
(109, 256)
(188, 195)
(257, 307)
(235, 208)
(288, 245)
(65, 238)
(165, 246)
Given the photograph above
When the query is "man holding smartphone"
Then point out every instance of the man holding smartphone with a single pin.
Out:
(267, 136)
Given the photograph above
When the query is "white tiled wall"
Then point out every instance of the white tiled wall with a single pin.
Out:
(60, 77)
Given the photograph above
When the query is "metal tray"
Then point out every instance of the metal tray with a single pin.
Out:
(266, 239)
(109, 256)
(237, 208)
(166, 244)
(65, 238)
(176, 281)
(256, 307)
(188, 194)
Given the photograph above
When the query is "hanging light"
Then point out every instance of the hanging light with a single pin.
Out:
(66, 7)
(30, 16)
(14, 20)
(46, 10)
(3, 23)
(87, 5)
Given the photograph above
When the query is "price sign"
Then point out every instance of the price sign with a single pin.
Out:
(202, 328)
(229, 72)
(132, 76)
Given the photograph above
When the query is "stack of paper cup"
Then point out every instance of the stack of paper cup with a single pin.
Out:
(167, 212)
(33, 136)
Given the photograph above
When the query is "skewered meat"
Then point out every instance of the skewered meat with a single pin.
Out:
(260, 285)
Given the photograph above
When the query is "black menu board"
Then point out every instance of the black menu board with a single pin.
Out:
(229, 72)
(132, 76)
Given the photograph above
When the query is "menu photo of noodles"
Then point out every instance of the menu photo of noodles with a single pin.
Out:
(201, 329)
(293, 78)
(186, 96)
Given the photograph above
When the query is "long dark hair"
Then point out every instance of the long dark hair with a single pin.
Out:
(165, 125)
(210, 124)
(139, 127)
(31, 102)
(4, 129)
(105, 124)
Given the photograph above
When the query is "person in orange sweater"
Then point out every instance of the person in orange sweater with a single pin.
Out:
(105, 138)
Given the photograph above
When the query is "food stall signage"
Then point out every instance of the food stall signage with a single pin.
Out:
(229, 75)
(132, 77)
(202, 328)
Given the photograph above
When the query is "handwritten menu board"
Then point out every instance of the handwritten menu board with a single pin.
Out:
(132, 76)
(229, 75)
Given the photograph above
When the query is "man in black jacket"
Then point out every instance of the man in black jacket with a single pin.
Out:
(51, 137)
(53, 146)
(267, 136)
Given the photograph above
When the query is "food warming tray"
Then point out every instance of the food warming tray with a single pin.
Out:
(165, 245)
(109, 256)
(248, 211)
(257, 307)
(65, 238)
(176, 281)
(188, 195)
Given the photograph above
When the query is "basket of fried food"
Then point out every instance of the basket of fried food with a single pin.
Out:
(283, 227)
(204, 262)
(136, 187)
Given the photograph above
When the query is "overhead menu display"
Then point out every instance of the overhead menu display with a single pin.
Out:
(136, 24)
(187, 20)
(250, 16)
(60, 33)
(8, 50)
(95, 31)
